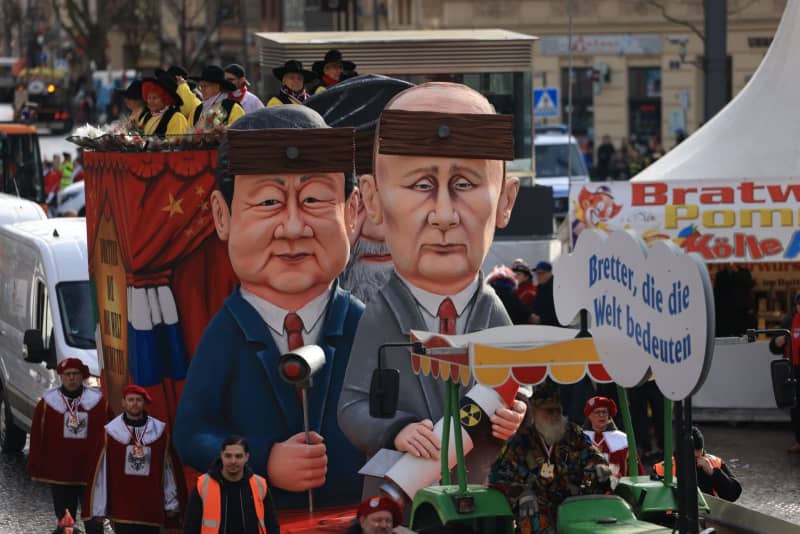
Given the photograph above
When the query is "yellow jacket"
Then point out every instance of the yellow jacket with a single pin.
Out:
(177, 124)
(236, 111)
(276, 101)
(190, 100)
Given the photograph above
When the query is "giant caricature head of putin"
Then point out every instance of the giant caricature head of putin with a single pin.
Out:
(439, 187)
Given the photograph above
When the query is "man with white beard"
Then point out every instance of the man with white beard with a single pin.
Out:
(370, 264)
(546, 462)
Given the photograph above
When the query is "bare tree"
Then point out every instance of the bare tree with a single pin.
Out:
(10, 15)
(142, 20)
(197, 21)
(663, 6)
(88, 22)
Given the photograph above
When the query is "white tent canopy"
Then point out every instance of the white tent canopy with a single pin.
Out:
(756, 135)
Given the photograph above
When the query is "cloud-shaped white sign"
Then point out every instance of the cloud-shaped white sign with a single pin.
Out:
(649, 308)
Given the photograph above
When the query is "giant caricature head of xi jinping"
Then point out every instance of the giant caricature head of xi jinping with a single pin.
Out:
(286, 206)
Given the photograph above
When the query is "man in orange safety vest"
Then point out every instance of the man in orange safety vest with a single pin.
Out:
(230, 497)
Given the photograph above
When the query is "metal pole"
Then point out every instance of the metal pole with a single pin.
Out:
(683, 524)
(245, 47)
(461, 467)
(668, 443)
(624, 406)
(571, 77)
(716, 57)
(445, 454)
(304, 401)
(375, 22)
(689, 472)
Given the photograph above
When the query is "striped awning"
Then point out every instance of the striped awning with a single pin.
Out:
(496, 355)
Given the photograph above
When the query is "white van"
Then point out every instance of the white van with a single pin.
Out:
(14, 209)
(46, 315)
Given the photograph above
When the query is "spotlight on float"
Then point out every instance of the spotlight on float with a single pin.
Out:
(297, 368)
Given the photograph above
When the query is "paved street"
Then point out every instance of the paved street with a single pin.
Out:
(770, 476)
(756, 454)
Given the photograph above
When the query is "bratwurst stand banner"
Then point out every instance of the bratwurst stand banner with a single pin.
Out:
(649, 308)
(720, 220)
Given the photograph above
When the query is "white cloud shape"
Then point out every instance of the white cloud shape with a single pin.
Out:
(649, 308)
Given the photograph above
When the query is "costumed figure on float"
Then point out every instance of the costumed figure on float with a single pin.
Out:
(439, 190)
(286, 207)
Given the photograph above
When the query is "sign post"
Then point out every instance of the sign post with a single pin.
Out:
(652, 311)
(546, 102)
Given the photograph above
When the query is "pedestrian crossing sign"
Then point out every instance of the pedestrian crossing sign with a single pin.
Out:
(546, 102)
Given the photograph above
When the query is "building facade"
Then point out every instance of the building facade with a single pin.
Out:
(637, 65)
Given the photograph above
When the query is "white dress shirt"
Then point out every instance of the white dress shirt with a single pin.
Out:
(428, 304)
(312, 315)
(251, 102)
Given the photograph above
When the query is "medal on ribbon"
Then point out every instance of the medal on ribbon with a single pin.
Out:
(547, 470)
(137, 455)
(138, 451)
(75, 422)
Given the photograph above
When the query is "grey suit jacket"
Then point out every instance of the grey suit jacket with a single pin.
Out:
(389, 317)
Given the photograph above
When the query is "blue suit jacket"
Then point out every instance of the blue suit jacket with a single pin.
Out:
(233, 387)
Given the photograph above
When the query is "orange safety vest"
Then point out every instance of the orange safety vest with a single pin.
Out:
(716, 463)
(210, 494)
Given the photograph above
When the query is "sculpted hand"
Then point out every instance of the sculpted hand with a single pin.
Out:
(506, 421)
(294, 465)
(419, 440)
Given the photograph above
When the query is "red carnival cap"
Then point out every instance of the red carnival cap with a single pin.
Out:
(600, 402)
(73, 363)
(381, 504)
(133, 389)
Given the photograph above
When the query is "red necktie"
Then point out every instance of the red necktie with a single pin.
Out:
(293, 325)
(447, 317)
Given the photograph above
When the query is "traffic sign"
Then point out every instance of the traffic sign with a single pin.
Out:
(546, 102)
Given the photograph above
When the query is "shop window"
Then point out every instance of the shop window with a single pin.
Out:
(403, 11)
(644, 94)
(582, 100)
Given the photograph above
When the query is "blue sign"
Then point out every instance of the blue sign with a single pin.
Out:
(546, 102)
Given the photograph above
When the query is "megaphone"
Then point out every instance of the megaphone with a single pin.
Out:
(298, 366)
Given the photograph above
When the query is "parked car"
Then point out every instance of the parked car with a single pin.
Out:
(46, 315)
(14, 209)
(552, 151)
(72, 200)
(553, 155)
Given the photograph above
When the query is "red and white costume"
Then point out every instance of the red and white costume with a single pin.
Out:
(614, 446)
(64, 432)
(133, 480)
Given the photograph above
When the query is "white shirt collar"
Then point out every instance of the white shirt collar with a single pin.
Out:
(430, 302)
(274, 316)
(208, 104)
